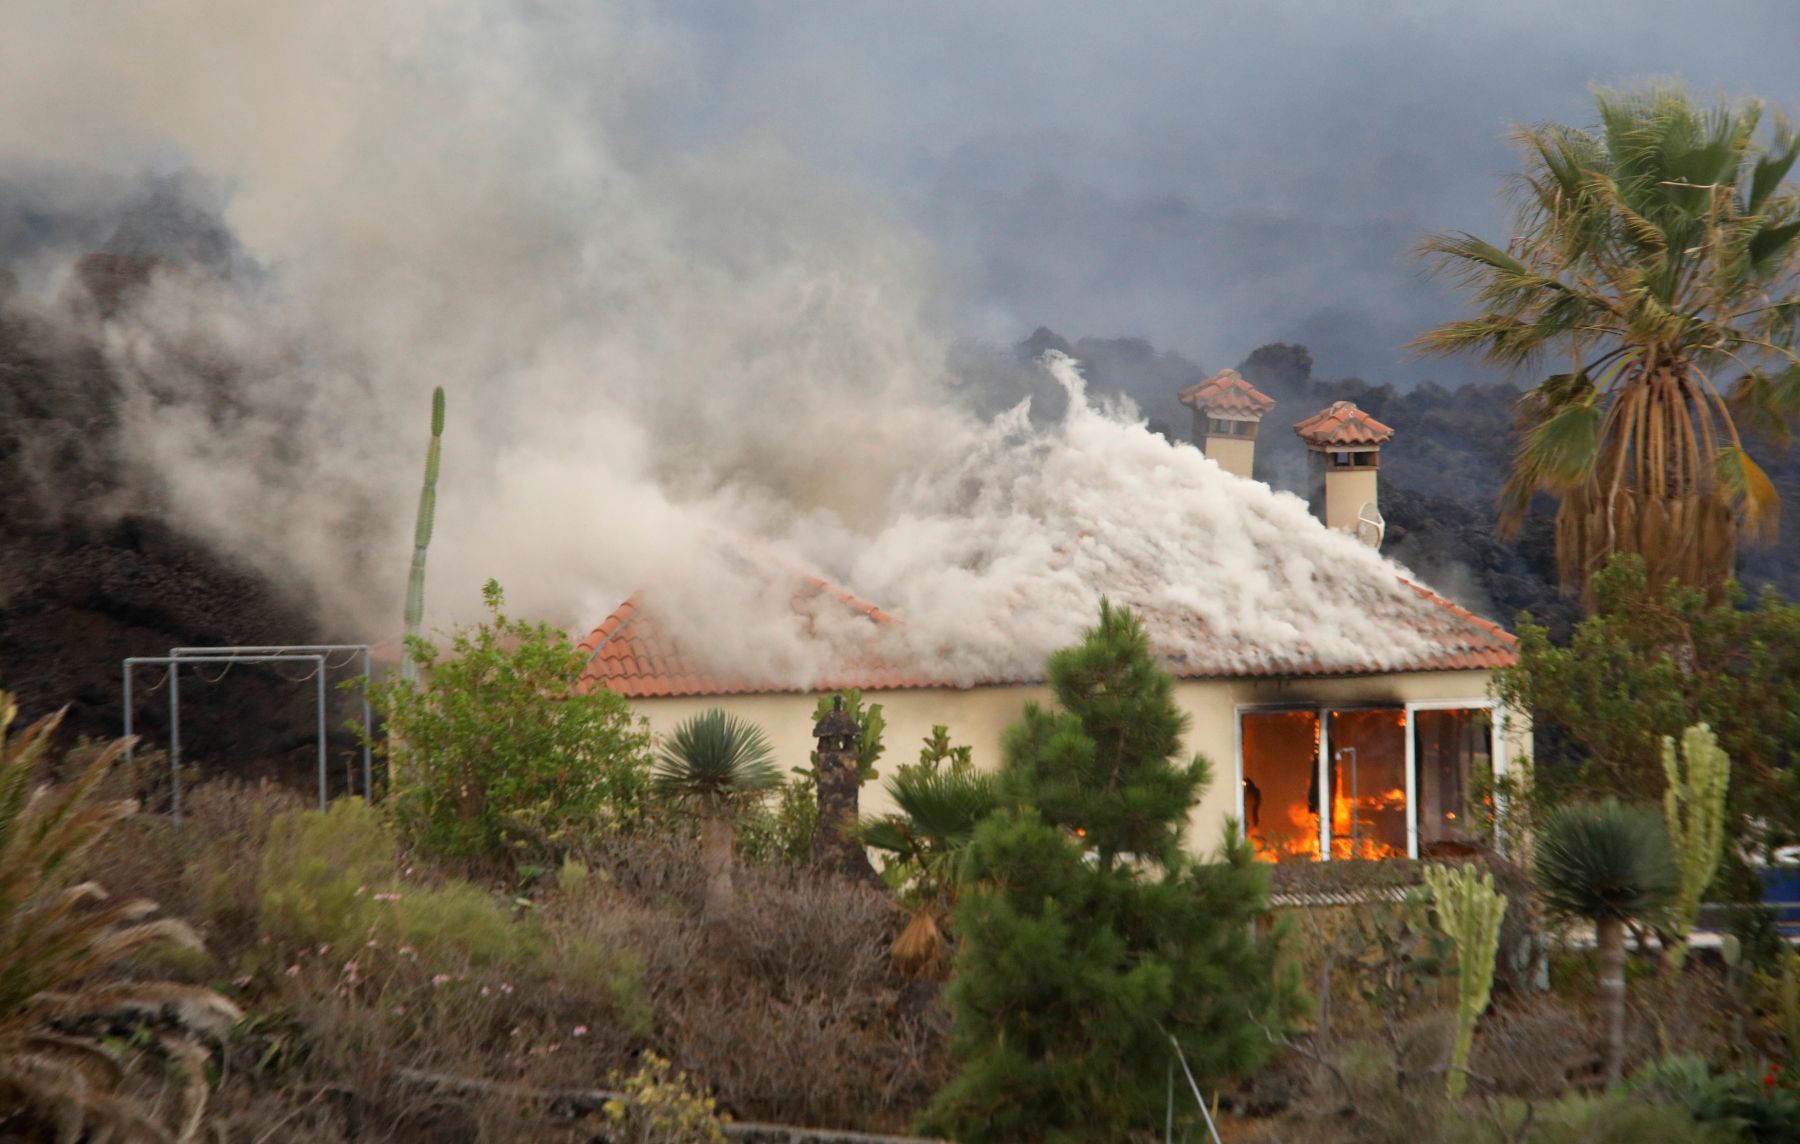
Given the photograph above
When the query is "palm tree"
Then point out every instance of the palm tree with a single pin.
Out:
(1609, 863)
(1653, 254)
(55, 933)
(939, 811)
(715, 762)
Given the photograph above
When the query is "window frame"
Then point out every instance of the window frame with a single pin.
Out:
(1322, 711)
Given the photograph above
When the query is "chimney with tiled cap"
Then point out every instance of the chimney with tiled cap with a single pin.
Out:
(1345, 446)
(1227, 410)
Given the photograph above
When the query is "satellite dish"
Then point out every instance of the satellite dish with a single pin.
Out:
(1371, 526)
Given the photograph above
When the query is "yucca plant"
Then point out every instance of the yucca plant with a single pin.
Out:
(56, 1075)
(1610, 863)
(714, 762)
(1654, 254)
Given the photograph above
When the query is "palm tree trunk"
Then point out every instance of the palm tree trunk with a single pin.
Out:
(1609, 938)
(716, 844)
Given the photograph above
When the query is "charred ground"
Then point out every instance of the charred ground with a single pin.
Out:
(90, 572)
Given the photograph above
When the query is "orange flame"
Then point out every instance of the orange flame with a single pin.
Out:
(1299, 845)
(1353, 832)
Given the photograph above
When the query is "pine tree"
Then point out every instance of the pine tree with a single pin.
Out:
(1086, 937)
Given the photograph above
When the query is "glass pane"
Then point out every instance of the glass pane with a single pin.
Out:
(1281, 784)
(1368, 783)
(1449, 749)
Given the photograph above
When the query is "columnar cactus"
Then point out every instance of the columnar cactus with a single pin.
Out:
(415, 587)
(1469, 910)
(1694, 810)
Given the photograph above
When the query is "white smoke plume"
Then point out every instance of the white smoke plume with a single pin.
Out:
(649, 342)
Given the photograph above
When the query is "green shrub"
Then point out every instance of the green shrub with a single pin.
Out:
(1616, 1118)
(495, 750)
(1753, 1108)
(330, 877)
(663, 1107)
(779, 831)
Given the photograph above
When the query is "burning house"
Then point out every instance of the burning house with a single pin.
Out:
(1353, 719)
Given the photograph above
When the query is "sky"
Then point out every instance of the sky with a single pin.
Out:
(1211, 176)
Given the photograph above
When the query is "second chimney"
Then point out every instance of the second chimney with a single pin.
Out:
(1345, 446)
(1227, 410)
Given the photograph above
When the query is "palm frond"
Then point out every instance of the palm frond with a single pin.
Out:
(1772, 167)
(945, 805)
(1772, 245)
(1753, 494)
(55, 933)
(1766, 401)
(890, 832)
(1558, 453)
(716, 755)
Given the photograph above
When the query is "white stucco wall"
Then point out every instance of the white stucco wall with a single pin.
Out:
(978, 716)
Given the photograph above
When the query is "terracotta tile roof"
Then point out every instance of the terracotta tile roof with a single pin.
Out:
(635, 655)
(1343, 424)
(1227, 394)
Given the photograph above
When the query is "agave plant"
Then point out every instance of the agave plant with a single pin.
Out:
(1611, 864)
(714, 762)
(55, 933)
(1653, 255)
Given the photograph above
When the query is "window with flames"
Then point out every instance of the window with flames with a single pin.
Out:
(1350, 765)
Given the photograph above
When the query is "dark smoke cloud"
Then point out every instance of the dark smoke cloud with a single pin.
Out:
(1210, 176)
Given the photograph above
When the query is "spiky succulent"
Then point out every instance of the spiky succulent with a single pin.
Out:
(1606, 861)
(715, 757)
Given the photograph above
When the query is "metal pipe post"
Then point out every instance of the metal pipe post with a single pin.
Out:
(261, 653)
(173, 663)
(175, 740)
(129, 751)
(368, 729)
(321, 678)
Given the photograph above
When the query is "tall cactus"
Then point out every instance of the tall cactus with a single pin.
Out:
(1469, 910)
(1694, 810)
(415, 587)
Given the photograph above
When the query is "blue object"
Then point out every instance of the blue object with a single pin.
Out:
(1781, 891)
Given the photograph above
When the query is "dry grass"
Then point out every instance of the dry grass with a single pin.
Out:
(787, 1007)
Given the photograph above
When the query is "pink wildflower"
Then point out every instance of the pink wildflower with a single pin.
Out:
(440, 979)
(293, 971)
(581, 1030)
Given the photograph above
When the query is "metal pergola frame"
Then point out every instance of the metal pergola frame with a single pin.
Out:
(315, 654)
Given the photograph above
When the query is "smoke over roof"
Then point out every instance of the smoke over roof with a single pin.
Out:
(696, 273)
(982, 575)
